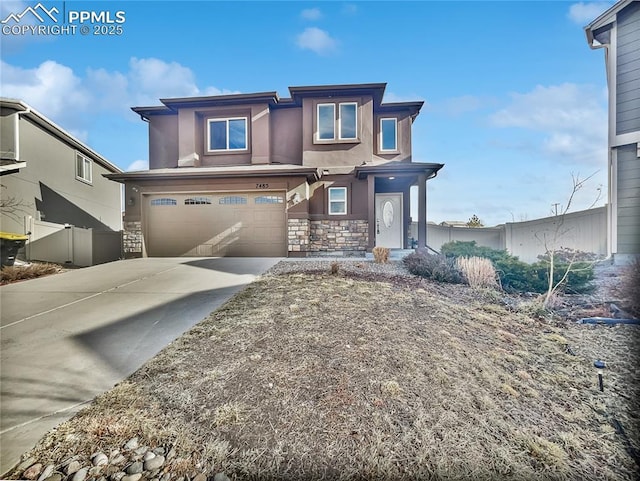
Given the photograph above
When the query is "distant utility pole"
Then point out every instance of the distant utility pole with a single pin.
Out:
(555, 208)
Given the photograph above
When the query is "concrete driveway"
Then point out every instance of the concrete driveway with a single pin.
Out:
(68, 337)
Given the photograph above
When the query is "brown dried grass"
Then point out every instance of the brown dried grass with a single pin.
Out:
(381, 254)
(374, 379)
(10, 274)
(478, 272)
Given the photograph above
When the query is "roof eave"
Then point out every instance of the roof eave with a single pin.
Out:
(312, 174)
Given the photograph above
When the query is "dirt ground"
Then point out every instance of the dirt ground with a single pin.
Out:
(357, 375)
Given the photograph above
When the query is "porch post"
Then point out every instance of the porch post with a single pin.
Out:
(371, 209)
(422, 212)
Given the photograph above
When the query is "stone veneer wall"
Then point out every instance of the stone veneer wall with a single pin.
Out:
(348, 237)
(298, 235)
(132, 239)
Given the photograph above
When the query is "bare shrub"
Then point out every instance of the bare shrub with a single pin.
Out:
(381, 254)
(435, 267)
(478, 272)
(335, 268)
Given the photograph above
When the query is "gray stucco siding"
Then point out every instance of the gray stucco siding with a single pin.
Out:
(628, 70)
(628, 209)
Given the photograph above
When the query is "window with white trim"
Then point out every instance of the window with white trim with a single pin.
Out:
(388, 134)
(345, 117)
(83, 168)
(337, 200)
(227, 134)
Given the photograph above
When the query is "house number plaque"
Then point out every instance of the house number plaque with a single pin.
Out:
(262, 186)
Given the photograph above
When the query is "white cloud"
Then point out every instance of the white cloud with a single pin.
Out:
(311, 14)
(138, 165)
(62, 94)
(51, 88)
(572, 119)
(317, 40)
(585, 12)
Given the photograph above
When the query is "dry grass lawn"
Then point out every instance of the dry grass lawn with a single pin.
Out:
(320, 376)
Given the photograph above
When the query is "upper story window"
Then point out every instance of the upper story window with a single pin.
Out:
(388, 134)
(84, 167)
(337, 200)
(344, 119)
(227, 134)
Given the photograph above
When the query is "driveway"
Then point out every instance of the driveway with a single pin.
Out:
(69, 337)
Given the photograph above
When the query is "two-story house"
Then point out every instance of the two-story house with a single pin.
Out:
(52, 180)
(327, 170)
(618, 31)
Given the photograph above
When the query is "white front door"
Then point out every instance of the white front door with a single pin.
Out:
(389, 217)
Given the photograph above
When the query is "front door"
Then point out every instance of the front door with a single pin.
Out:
(389, 217)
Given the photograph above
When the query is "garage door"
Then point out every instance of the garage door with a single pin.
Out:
(216, 224)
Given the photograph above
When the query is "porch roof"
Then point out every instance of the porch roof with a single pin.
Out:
(398, 168)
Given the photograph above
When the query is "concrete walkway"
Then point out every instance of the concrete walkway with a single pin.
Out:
(69, 337)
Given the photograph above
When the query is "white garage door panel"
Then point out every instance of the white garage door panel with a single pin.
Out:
(231, 225)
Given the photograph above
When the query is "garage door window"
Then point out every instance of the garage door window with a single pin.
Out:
(233, 200)
(164, 201)
(270, 199)
(197, 201)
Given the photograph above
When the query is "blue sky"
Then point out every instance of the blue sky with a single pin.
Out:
(515, 100)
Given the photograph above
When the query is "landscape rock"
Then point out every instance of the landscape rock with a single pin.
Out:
(25, 464)
(221, 477)
(33, 471)
(141, 450)
(160, 451)
(132, 477)
(54, 477)
(47, 472)
(99, 459)
(171, 454)
(119, 459)
(117, 476)
(80, 475)
(131, 444)
(166, 477)
(200, 477)
(154, 463)
(149, 455)
(72, 467)
(134, 468)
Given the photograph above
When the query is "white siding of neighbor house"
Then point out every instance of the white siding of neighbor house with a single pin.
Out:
(628, 200)
(628, 70)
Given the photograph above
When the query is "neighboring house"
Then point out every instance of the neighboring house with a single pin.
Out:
(327, 170)
(48, 176)
(618, 31)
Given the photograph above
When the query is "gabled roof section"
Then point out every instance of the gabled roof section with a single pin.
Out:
(376, 90)
(604, 20)
(25, 110)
